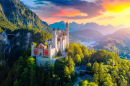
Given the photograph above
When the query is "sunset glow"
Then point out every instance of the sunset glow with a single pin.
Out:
(103, 12)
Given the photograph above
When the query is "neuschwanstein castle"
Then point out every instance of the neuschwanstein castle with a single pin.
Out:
(59, 40)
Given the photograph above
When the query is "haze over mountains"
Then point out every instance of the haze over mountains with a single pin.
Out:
(121, 34)
(109, 29)
(87, 35)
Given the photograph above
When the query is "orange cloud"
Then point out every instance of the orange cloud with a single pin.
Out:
(116, 5)
(69, 13)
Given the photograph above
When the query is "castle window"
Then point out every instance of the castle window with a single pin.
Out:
(46, 52)
(35, 51)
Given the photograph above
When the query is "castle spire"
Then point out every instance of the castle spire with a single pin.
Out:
(67, 26)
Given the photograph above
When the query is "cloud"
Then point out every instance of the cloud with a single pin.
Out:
(104, 18)
(91, 9)
(45, 11)
(116, 5)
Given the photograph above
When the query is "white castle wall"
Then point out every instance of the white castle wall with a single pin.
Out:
(53, 52)
(41, 61)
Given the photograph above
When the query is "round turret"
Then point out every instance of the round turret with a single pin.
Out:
(67, 27)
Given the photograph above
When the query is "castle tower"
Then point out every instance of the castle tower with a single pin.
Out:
(61, 44)
(54, 38)
(67, 34)
(49, 48)
(59, 31)
(32, 49)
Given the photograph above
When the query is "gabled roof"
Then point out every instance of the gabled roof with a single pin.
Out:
(40, 45)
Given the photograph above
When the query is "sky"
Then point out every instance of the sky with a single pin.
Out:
(102, 12)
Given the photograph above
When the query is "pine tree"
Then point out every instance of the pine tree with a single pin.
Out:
(77, 59)
(59, 53)
(66, 49)
(95, 68)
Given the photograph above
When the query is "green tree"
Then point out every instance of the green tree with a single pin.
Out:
(101, 74)
(92, 84)
(80, 82)
(85, 83)
(71, 65)
(35, 44)
(88, 66)
(31, 61)
(70, 53)
(45, 43)
(59, 53)
(66, 71)
(16, 83)
(32, 77)
(95, 67)
(77, 59)
(66, 49)
(25, 77)
(66, 59)
(96, 78)
(107, 82)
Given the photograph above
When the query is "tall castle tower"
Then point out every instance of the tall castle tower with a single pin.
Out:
(54, 38)
(67, 34)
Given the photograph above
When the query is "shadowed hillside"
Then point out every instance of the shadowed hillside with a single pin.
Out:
(14, 11)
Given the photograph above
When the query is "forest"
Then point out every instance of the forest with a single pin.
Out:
(108, 69)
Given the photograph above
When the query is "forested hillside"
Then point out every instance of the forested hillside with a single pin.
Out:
(114, 45)
(107, 69)
(122, 34)
(14, 13)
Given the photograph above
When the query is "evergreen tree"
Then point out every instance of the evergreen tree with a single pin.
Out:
(95, 67)
(77, 59)
(88, 66)
(66, 71)
(16, 83)
(59, 53)
(66, 49)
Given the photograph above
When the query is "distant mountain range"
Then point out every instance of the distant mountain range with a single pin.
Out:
(109, 29)
(121, 34)
(14, 14)
(87, 35)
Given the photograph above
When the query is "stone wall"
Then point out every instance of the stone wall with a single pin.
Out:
(41, 61)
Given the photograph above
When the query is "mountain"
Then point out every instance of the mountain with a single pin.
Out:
(93, 26)
(17, 14)
(86, 35)
(74, 40)
(109, 42)
(114, 45)
(122, 34)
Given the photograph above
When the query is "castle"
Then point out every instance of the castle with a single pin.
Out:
(59, 40)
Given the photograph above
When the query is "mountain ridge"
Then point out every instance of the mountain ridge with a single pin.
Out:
(17, 13)
(87, 35)
(109, 29)
(121, 34)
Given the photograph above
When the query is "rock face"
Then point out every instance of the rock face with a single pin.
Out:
(17, 13)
